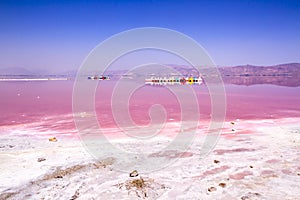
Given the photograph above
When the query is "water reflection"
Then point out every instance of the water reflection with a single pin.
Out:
(288, 81)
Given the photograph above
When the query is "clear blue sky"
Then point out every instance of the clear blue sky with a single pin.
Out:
(55, 35)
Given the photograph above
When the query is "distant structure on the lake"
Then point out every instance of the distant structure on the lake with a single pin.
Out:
(98, 77)
(173, 81)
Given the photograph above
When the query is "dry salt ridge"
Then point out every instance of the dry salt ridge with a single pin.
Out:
(253, 159)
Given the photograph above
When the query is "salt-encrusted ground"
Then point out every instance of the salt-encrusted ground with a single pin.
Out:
(258, 159)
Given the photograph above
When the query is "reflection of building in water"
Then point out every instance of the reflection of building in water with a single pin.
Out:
(98, 78)
(173, 81)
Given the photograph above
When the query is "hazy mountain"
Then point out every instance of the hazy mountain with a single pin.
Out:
(15, 71)
(290, 69)
(21, 71)
(282, 74)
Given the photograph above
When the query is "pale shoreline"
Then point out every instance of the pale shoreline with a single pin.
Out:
(258, 160)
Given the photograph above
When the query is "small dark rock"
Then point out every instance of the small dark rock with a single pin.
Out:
(216, 161)
(7, 146)
(212, 189)
(222, 185)
(58, 176)
(251, 166)
(41, 159)
(75, 196)
(250, 195)
(134, 173)
(53, 139)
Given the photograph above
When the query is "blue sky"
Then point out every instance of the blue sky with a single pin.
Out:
(57, 35)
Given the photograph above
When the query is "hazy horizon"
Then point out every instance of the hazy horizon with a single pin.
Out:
(41, 71)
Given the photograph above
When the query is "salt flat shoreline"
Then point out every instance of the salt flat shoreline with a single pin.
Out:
(253, 159)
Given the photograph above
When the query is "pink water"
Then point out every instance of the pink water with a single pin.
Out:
(49, 104)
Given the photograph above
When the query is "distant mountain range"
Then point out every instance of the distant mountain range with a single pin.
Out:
(283, 74)
(21, 71)
(289, 69)
(15, 71)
